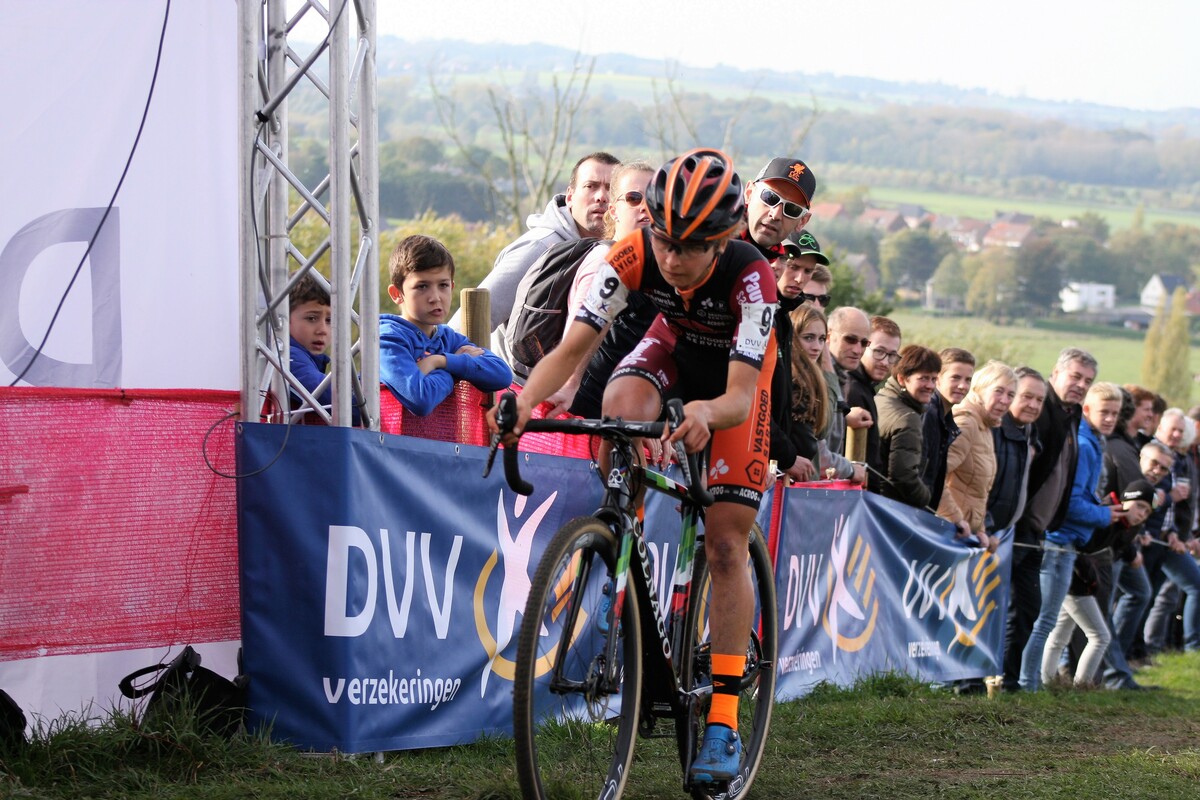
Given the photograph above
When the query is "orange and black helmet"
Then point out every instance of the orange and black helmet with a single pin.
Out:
(696, 197)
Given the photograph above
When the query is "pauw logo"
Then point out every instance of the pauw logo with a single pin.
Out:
(851, 606)
(514, 586)
(965, 593)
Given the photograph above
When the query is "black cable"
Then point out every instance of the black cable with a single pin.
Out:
(260, 470)
(112, 201)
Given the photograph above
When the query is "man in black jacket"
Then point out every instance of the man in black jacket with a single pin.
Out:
(1050, 478)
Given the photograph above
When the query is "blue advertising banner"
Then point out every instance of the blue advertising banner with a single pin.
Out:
(383, 581)
(868, 585)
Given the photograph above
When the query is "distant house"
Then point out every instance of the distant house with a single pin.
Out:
(967, 234)
(1015, 217)
(1009, 234)
(1159, 288)
(1077, 296)
(863, 267)
(914, 215)
(884, 220)
(828, 212)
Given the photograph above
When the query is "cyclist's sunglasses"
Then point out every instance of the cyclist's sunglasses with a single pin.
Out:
(790, 210)
(682, 248)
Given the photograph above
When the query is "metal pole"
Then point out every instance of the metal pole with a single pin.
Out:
(368, 180)
(249, 36)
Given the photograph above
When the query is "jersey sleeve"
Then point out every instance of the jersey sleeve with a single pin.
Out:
(620, 272)
(755, 297)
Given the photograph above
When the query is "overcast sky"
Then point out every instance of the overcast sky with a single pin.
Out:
(1138, 55)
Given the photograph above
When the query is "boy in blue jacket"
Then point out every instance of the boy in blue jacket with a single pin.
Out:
(420, 357)
(309, 326)
(1085, 513)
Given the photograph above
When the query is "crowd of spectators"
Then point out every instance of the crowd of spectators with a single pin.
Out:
(1091, 481)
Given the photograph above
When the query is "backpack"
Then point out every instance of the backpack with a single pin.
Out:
(183, 686)
(12, 725)
(540, 314)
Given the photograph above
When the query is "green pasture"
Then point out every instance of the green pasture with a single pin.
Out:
(983, 207)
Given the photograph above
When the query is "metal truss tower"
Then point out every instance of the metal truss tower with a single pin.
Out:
(273, 201)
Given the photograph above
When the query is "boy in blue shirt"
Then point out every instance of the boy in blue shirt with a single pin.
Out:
(309, 326)
(420, 357)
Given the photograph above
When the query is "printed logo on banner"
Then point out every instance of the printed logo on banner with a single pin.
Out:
(851, 606)
(962, 593)
(514, 586)
(515, 582)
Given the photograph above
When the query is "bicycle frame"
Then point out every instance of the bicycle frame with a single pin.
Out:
(666, 653)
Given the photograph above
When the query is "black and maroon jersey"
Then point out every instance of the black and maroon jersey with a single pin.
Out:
(728, 317)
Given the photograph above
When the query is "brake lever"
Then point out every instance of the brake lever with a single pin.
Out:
(506, 419)
(491, 459)
(675, 418)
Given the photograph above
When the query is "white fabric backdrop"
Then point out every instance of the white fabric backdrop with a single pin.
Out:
(162, 311)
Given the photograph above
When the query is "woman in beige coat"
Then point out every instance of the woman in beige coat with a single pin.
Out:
(971, 462)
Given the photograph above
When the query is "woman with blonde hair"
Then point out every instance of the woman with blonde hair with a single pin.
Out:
(814, 401)
(971, 460)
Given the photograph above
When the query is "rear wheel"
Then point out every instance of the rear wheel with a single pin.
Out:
(574, 730)
(756, 700)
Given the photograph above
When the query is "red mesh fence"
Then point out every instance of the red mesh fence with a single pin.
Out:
(461, 418)
(115, 534)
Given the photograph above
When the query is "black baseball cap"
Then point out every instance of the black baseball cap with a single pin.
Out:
(803, 243)
(792, 170)
(1139, 490)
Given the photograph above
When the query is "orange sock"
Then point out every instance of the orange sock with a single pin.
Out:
(727, 677)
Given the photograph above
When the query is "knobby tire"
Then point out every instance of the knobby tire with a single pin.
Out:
(757, 697)
(578, 742)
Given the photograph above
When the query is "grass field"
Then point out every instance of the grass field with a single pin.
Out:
(890, 737)
(1119, 351)
(980, 207)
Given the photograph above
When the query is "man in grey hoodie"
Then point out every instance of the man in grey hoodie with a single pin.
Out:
(578, 213)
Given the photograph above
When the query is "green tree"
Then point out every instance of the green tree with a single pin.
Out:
(908, 258)
(1084, 259)
(474, 246)
(1094, 226)
(949, 279)
(1152, 346)
(993, 290)
(1165, 361)
(1039, 278)
(848, 290)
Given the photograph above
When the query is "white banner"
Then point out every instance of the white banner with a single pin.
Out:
(156, 302)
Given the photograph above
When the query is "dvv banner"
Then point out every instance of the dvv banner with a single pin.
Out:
(383, 580)
(868, 585)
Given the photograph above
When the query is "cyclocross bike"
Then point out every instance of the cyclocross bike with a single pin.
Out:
(599, 658)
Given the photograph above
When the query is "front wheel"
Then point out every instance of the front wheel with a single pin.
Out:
(575, 730)
(756, 700)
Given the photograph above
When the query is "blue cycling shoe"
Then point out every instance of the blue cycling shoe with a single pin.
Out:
(719, 756)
